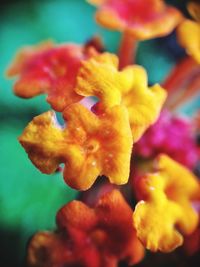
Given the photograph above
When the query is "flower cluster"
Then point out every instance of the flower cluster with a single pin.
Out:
(91, 144)
(113, 138)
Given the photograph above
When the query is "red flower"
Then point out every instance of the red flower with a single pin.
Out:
(89, 237)
(47, 68)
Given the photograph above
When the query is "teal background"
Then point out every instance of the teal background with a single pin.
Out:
(28, 199)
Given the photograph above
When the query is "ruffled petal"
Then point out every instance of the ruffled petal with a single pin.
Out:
(122, 239)
(166, 205)
(89, 237)
(49, 69)
(155, 216)
(100, 77)
(189, 38)
(89, 145)
(142, 19)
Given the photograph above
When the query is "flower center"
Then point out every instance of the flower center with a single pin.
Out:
(92, 146)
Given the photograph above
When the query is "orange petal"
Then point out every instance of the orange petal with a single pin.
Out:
(89, 146)
(107, 150)
(78, 215)
(117, 144)
(44, 140)
(45, 249)
(122, 239)
(92, 237)
(194, 10)
(142, 19)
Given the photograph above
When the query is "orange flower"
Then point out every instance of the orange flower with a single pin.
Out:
(90, 145)
(166, 205)
(189, 32)
(143, 19)
(99, 76)
(89, 237)
(50, 69)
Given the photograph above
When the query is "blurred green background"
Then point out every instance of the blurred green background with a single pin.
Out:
(28, 199)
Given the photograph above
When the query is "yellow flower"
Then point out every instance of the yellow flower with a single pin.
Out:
(89, 145)
(189, 32)
(99, 76)
(166, 205)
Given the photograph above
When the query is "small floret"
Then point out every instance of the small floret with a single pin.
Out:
(89, 145)
(143, 19)
(90, 237)
(99, 76)
(165, 210)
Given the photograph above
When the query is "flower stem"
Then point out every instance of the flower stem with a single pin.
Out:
(127, 50)
(189, 92)
(178, 82)
(179, 75)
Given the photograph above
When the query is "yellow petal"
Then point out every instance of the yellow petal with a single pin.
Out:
(154, 218)
(143, 103)
(166, 205)
(100, 77)
(181, 186)
(43, 140)
(189, 38)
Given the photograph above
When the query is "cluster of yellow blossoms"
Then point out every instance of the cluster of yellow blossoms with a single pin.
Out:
(100, 141)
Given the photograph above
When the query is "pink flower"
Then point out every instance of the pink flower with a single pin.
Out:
(171, 135)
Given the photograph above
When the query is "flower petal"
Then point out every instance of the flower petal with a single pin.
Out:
(166, 205)
(154, 218)
(192, 45)
(122, 241)
(49, 69)
(142, 19)
(100, 77)
(89, 146)
(89, 237)
(44, 141)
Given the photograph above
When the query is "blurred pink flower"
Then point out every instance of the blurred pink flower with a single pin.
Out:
(172, 135)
